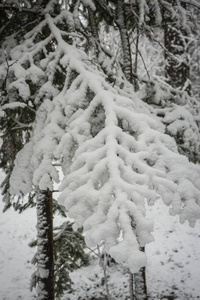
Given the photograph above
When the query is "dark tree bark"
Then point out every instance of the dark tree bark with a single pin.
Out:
(45, 244)
(93, 25)
(45, 251)
(131, 286)
(176, 72)
(140, 283)
(176, 69)
(126, 49)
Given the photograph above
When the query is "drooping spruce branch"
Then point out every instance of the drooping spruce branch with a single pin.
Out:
(114, 155)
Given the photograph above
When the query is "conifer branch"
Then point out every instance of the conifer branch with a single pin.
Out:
(191, 2)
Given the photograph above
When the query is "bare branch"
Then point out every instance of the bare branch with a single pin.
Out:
(191, 2)
(19, 9)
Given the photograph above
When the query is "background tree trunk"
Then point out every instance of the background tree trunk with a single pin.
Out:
(126, 50)
(177, 68)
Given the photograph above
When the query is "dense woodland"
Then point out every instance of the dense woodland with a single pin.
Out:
(99, 118)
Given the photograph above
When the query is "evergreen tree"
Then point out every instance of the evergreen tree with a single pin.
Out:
(23, 89)
(116, 150)
(20, 86)
(140, 18)
(17, 103)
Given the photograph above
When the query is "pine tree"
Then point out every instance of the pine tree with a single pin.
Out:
(193, 53)
(116, 150)
(17, 89)
(139, 18)
(19, 84)
(23, 86)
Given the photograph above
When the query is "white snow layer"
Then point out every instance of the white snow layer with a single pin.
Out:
(173, 260)
(114, 154)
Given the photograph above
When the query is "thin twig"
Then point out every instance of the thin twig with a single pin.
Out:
(18, 9)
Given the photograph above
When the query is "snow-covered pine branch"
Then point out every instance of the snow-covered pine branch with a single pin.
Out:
(115, 156)
(179, 112)
(116, 167)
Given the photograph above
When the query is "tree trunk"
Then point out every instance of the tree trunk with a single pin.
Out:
(126, 49)
(45, 255)
(93, 25)
(131, 286)
(140, 283)
(177, 67)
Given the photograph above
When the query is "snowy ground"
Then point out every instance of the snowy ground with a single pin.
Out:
(16, 231)
(173, 270)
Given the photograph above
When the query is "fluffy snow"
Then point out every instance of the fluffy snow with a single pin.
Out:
(21, 178)
(173, 260)
(13, 105)
(16, 231)
(89, 3)
(139, 160)
(131, 151)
